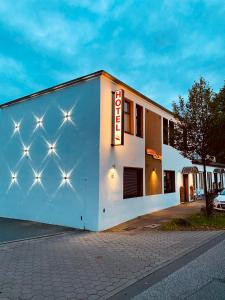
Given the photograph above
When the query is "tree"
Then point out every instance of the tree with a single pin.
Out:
(218, 122)
(192, 131)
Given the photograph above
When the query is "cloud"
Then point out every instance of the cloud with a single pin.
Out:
(158, 47)
(47, 30)
(99, 7)
(13, 75)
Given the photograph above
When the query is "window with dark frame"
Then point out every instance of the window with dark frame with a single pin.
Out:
(128, 118)
(132, 182)
(165, 131)
(195, 181)
(201, 185)
(209, 179)
(139, 121)
(169, 182)
(221, 180)
(171, 133)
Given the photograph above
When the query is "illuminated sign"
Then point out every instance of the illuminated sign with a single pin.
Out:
(154, 154)
(118, 118)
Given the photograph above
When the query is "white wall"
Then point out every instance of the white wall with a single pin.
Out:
(113, 209)
(74, 202)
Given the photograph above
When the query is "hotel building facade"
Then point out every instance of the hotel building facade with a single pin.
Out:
(92, 153)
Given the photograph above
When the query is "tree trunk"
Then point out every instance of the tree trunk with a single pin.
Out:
(207, 198)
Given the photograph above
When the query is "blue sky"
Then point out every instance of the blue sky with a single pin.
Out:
(158, 47)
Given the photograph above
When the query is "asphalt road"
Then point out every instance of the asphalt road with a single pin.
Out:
(11, 230)
(201, 279)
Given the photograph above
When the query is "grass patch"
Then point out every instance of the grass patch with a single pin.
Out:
(196, 222)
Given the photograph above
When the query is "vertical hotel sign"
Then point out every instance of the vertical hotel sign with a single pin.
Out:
(118, 118)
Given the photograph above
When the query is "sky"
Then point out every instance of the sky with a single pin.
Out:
(159, 47)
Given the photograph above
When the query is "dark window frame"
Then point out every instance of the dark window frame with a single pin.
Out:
(171, 133)
(139, 120)
(139, 184)
(131, 116)
(172, 188)
(165, 131)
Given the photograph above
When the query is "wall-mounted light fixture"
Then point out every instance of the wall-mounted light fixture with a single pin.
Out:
(26, 151)
(39, 122)
(154, 170)
(13, 177)
(16, 127)
(113, 171)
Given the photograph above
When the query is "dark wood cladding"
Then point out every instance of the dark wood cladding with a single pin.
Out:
(153, 140)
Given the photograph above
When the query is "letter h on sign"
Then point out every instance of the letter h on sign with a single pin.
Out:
(118, 118)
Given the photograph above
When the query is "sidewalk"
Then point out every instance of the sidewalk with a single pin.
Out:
(153, 220)
(88, 265)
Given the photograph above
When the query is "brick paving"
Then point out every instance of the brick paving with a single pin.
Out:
(87, 265)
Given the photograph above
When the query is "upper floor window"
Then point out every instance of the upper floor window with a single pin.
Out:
(171, 133)
(139, 120)
(165, 131)
(128, 116)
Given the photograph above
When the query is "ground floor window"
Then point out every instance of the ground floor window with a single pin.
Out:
(132, 182)
(209, 179)
(201, 184)
(221, 181)
(195, 181)
(215, 183)
(169, 181)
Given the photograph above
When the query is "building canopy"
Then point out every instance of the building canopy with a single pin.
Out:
(188, 170)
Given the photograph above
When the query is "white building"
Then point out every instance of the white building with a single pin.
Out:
(67, 158)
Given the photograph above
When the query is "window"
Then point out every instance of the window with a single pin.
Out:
(201, 184)
(221, 180)
(195, 181)
(165, 131)
(215, 181)
(128, 116)
(132, 182)
(171, 133)
(209, 179)
(169, 182)
(139, 120)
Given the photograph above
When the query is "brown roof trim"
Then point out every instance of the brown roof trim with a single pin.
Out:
(53, 88)
(80, 79)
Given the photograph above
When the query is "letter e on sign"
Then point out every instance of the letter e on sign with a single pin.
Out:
(118, 118)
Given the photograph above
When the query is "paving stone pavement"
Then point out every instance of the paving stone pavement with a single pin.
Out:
(87, 265)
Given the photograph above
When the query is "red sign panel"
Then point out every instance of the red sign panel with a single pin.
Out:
(118, 118)
(153, 153)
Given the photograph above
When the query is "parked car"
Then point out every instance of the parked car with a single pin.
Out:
(219, 201)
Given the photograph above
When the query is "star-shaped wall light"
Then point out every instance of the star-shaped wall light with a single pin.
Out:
(66, 178)
(39, 122)
(37, 179)
(51, 149)
(26, 151)
(67, 116)
(13, 180)
(17, 126)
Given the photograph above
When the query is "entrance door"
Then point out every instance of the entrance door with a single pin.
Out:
(186, 189)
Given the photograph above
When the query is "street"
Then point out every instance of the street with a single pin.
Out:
(202, 278)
